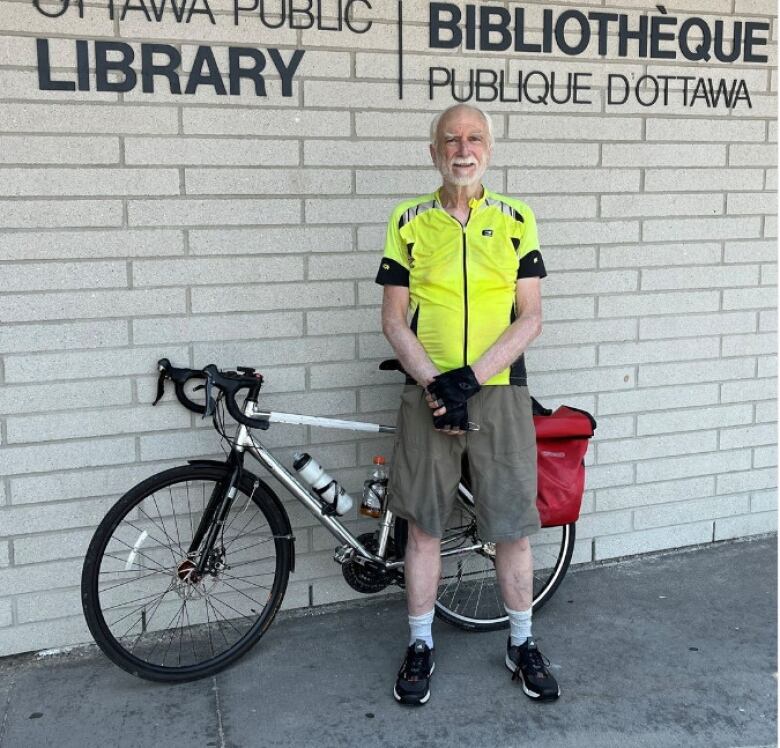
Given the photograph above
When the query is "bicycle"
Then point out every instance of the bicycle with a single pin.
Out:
(187, 570)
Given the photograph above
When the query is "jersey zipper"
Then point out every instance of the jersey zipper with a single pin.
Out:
(465, 301)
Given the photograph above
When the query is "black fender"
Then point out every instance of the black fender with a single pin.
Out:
(272, 495)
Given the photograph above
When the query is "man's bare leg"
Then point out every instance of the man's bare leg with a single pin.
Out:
(422, 569)
(515, 568)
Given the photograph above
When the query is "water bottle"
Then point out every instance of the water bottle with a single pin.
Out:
(374, 490)
(329, 491)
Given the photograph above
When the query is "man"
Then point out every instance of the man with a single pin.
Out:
(461, 273)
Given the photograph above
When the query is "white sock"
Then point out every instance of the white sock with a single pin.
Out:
(519, 625)
(420, 628)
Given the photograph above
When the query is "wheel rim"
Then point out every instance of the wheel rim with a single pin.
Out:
(469, 590)
(152, 603)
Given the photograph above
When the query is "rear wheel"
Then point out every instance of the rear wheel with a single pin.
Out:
(147, 606)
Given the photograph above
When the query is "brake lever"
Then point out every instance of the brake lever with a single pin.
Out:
(161, 365)
(210, 402)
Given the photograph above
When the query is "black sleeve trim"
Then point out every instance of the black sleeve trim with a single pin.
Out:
(532, 265)
(392, 273)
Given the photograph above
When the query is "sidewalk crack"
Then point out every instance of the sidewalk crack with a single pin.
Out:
(218, 706)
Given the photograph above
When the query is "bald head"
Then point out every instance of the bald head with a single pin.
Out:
(440, 121)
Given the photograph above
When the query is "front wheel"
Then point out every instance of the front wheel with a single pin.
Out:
(146, 604)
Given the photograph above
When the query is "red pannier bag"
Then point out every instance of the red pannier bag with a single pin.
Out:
(561, 442)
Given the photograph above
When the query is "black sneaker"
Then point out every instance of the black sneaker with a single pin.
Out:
(529, 666)
(413, 684)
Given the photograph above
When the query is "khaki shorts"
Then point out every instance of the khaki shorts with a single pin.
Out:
(501, 456)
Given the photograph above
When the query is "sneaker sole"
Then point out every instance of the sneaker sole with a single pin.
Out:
(414, 701)
(538, 697)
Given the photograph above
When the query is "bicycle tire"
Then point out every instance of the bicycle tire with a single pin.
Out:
(468, 595)
(138, 555)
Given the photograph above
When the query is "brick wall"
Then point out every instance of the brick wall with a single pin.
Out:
(243, 230)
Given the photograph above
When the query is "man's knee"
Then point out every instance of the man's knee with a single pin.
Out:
(420, 541)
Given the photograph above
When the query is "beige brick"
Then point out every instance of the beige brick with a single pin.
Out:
(366, 153)
(266, 181)
(90, 244)
(107, 119)
(565, 181)
(217, 212)
(35, 214)
(693, 419)
(602, 476)
(748, 436)
(760, 250)
(265, 122)
(644, 352)
(596, 380)
(346, 321)
(90, 423)
(213, 271)
(87, 182)
(767, 321)
(248, 241)
(751, 203)
(67, 456)
(35, 398)
(642, 304)
(210, 152)
(83, 364)
(217, 327)
(553, 127)
(653, 255)
(352, 210)
(763, 501)
(37, 150)
(575, 206)
(568, 308)
(753, 155)
(692, 204)
(358, 373)
(546, 154)
(654, 493)
(711, 179)
(662, 154)
(411, 181)
(57, 276)
(601, 281)
(740, 392)
(60, 336)
(700, 229)
(702, 130)
(658, 398)
(753, 524)
(749, 298)
(695, 325)
(644, 541)
(625, 450)
(698, 276)
(746, 345)
(281, 352)
(749, 480)
(85, 304)
(249, 298)
(588, 331)
(682, 512)
(577, 233)
(696, 464)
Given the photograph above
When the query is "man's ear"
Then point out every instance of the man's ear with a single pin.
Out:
(432, 151)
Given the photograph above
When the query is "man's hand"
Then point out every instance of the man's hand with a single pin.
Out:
(447, 395)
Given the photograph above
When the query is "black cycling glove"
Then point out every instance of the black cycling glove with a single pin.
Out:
(453, 389)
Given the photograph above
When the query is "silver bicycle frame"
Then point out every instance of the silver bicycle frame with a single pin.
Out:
(245, 441)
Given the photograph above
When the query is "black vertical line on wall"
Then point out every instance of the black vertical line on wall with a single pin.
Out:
(400, 49)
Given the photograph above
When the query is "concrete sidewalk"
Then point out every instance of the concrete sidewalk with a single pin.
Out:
(674, 650)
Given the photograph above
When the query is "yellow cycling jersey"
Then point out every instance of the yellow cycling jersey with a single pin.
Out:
(462, 280)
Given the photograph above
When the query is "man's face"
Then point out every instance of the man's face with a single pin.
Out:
(463, 148)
